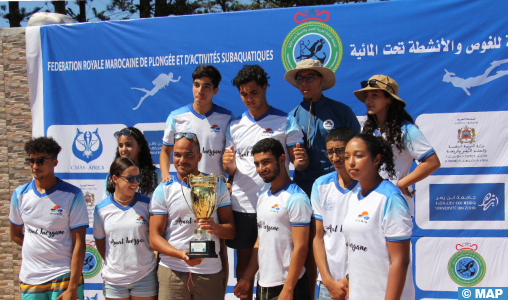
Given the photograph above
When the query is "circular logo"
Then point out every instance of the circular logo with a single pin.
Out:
(314, 40)
(328, 125)
(93, 262)
(466, 268)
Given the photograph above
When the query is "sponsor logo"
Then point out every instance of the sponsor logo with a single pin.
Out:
(275, 208)
(312, 39)
(328, 125)
(466, 267)
(466, 135)
(141, 220)
(267, 132)
(56, 210)
(87, 145)
(364, 216)
(215, 128)
(93, 262)
(489, 200)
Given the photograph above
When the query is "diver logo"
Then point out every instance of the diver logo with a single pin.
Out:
(467, 267)
(87, 145)
(93, 262)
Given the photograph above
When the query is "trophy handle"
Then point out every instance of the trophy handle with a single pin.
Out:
(183, 193)
(219, 177)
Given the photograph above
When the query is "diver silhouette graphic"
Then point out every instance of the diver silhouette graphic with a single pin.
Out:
(160, 82)
(470, 82)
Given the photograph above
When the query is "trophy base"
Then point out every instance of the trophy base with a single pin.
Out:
(202, 249)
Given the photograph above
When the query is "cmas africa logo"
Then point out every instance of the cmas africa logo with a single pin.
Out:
(93, 261)
(466, 267)
(312, 39)
(87, 145)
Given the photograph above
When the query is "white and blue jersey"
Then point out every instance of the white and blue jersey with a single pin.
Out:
(416, 147)
(49, 219)
(210, 129)
(329, 205)
(129, 257)
(169, 200)
(373, 219)
(277, 213)
(243, 133)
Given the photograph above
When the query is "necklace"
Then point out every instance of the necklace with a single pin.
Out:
(122, 201)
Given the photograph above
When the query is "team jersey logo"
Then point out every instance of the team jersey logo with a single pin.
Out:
(328, 125)
(466, 135)
(363, 217)
(275, 208)
(141, 220)
(267, 132)
(215, 128)
(87, 145)
(467, 267)
(56, 210)
(313, 39)
(26, 211)
(328, 204)
(93, 262)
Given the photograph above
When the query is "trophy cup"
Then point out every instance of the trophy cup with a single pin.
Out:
(203, 204)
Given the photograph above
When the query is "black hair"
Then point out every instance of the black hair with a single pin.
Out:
(250, 73)
(342, 134)
(146, 168)
(394, 117)
(43, 144)
(117, 167)
(207, 71)
(378, 145)
(268, 145)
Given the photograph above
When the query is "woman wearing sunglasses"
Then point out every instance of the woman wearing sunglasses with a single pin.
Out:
(377, 227)
(388, 118)
(121, 235)
(132, 144)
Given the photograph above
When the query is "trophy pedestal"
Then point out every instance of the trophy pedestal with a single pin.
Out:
(202, 249)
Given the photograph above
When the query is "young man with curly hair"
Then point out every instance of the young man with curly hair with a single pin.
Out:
(260, 121)
(54, 217)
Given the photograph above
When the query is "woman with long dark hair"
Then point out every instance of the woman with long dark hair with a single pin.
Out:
(132, 144)
(121, 235)
(377, 227)
(387, 117)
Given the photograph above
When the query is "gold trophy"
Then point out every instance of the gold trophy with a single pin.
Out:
(203, 204)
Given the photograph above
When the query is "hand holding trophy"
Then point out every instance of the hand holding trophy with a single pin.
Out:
(203, 204)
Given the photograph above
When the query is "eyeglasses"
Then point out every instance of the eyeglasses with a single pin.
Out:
(372, 83)
(39, 160)
(309, 78)
(340, 152)
(130, 178)
(188, 135)
(124, 132)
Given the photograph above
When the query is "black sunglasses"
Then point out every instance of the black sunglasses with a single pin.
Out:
(372, 83)
(130, 178)
(39, 160)
(188, 135)
(124, 132)
(309, 78)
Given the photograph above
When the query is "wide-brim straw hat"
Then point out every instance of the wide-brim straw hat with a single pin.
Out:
(311, 64)
(382, 82)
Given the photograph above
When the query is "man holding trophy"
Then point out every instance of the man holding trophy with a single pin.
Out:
(190, 212)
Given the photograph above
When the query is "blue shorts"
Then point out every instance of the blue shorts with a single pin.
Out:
(145, 287)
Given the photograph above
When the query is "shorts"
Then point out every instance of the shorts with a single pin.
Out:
(177, 285)
(145, 287)
(246, 231)
(300, 292)
(49, 290)
(324, 294)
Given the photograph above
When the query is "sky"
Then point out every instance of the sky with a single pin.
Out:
(100, 5)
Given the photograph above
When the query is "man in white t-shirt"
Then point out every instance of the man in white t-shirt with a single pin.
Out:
(202, 117)
(329, 199)
(54, 217)
(259, 122)
(172, 226)
(283, 218)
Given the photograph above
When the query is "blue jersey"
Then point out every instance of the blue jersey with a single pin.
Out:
(327, 114)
